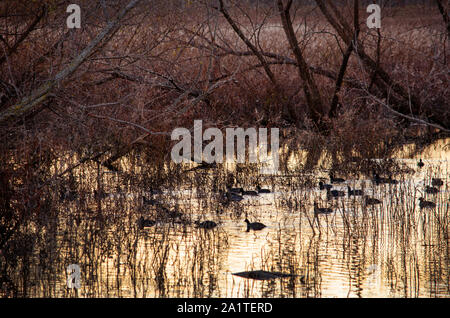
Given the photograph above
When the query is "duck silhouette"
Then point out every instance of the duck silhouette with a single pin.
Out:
(324, 186)
(379, 180)
(250, 193)
(318, 210)
(258, 188)
(437, 182)
(371, 201)
(335, 194)
(420, 164)
(142, 223)
(206, 224)
(233, 197)
(426, 204)
(431, 190)
(255, 226)
(335, 180)
(354, 192)
(234, 190)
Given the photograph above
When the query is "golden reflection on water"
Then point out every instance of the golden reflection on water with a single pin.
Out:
(391, 250)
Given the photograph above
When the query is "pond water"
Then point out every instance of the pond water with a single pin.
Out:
(394, 249)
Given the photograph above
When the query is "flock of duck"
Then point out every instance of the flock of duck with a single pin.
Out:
(231, 195)
(377, 180)
(237, 194)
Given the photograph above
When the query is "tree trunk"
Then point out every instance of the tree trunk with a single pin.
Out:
(313, 98)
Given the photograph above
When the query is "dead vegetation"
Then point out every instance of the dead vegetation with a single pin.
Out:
(73, 101)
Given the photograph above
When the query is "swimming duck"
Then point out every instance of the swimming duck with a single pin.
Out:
(203, 166)
(354, 192)
(392, 181)
(437, 182)
(255, 226)
(233, 190)
(324, 186)
(371, 201)
(206, 224)
(318, 210)
(420, 164)
(251, 193)
(431, 190)
(145, 222)
(258, 187)
(335, 194)
(426, 204)
(233, 197)
(335, 180)
(379, 180)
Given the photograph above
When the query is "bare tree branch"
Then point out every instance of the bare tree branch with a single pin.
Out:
(30, 28)
(444, 14)
(41, 93)
(411, 118)
(248, 43)
(312, 94)
(346, 57)
(386, 84)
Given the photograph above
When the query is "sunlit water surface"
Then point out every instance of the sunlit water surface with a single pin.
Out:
(389, 250)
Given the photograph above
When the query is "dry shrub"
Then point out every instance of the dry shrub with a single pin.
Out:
(360, 135)
(412, 53)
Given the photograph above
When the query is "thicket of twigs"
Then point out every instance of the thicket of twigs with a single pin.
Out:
(233, 64)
